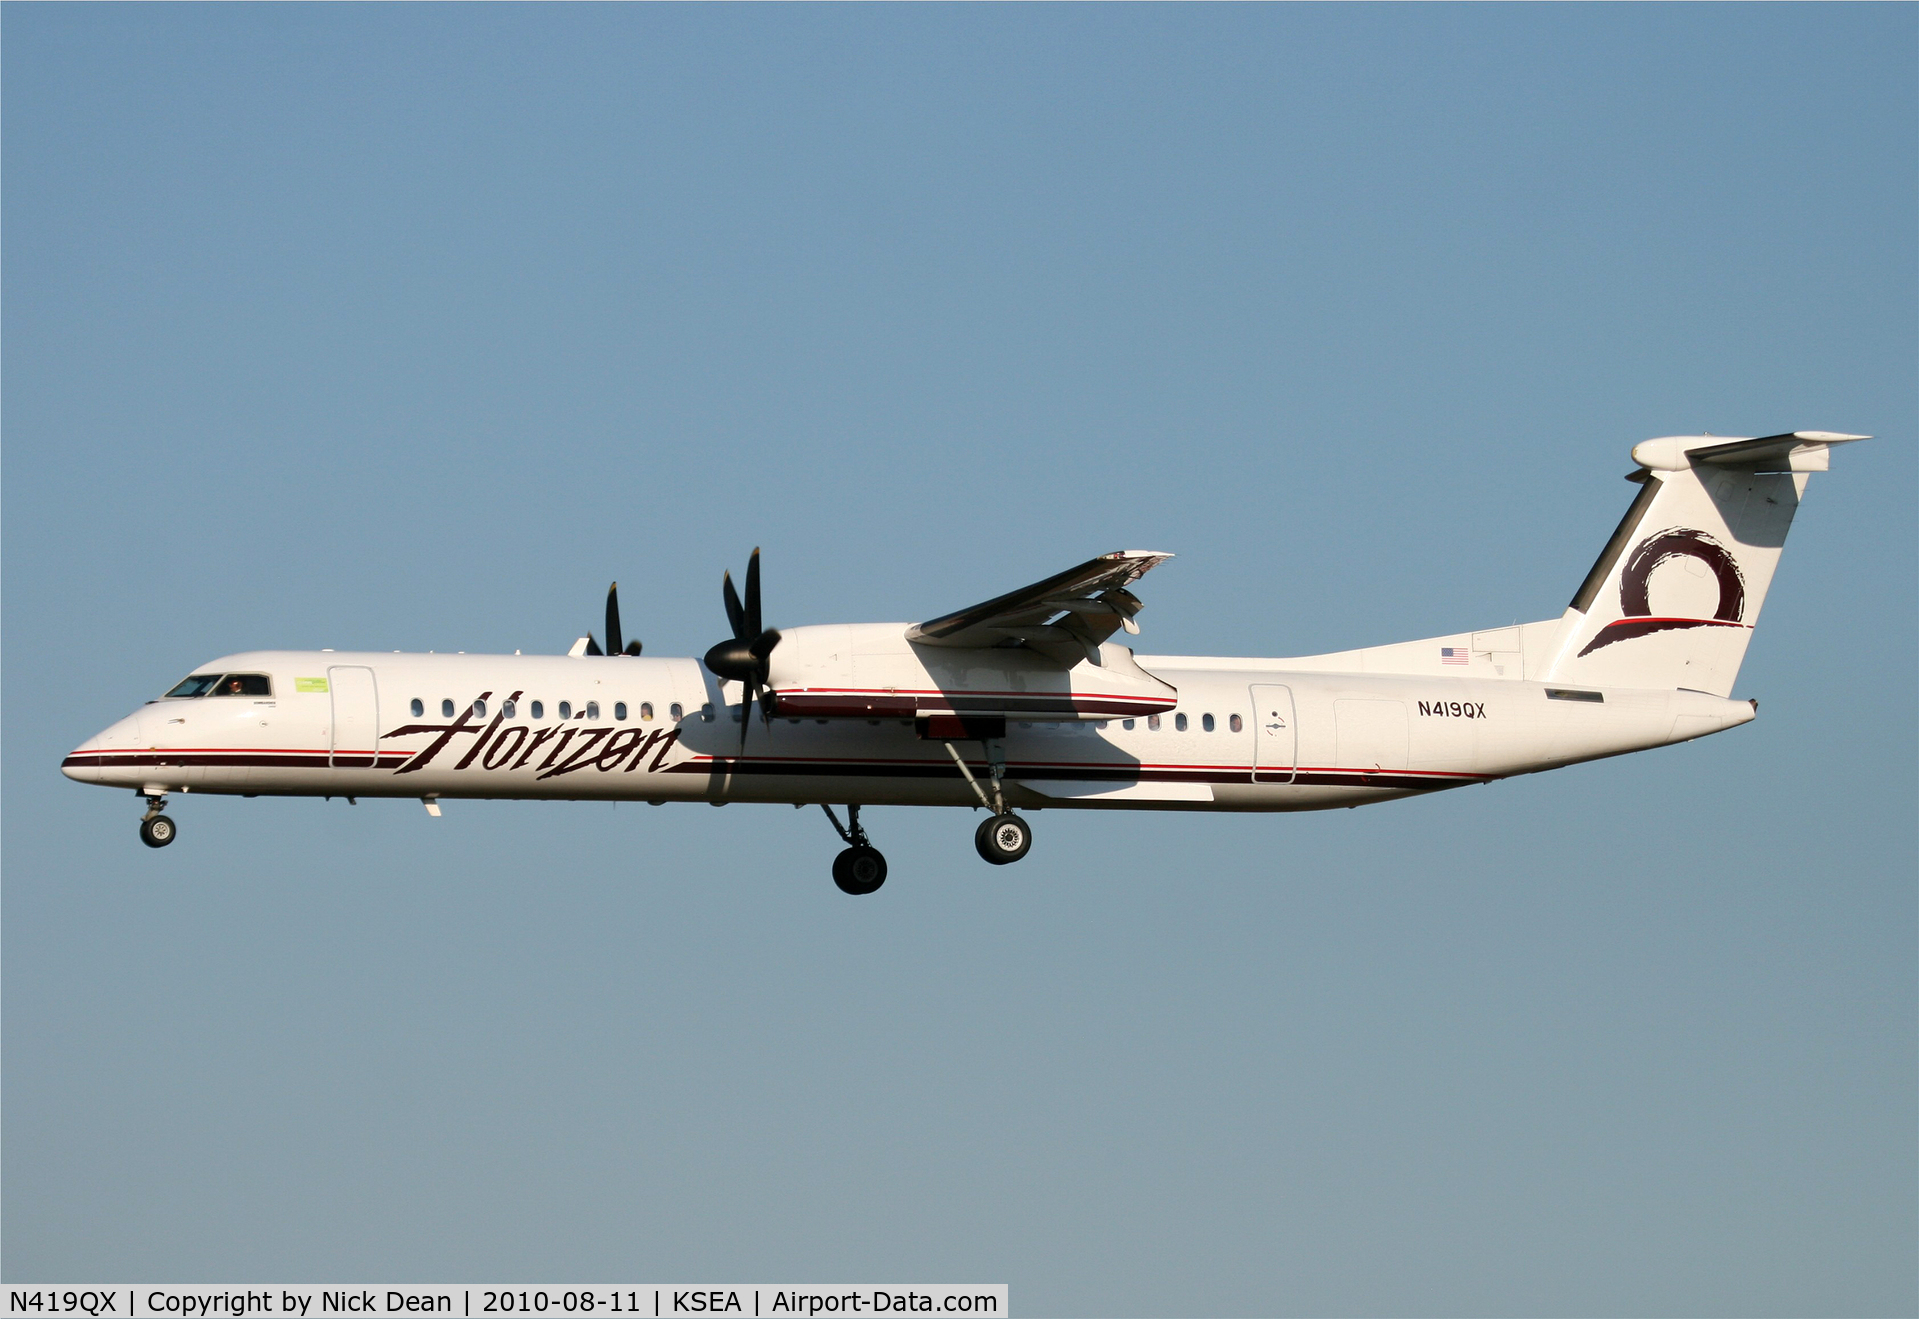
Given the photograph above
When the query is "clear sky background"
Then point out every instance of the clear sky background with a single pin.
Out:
(376, 327)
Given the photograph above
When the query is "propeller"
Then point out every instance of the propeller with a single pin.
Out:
(612, 629)
(744, 659)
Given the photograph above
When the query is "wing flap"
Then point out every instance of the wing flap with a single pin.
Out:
(1064, 617)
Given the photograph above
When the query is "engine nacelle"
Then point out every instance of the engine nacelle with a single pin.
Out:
(871, 671)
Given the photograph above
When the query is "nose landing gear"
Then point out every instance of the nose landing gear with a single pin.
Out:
(860, 869)
(156, 830)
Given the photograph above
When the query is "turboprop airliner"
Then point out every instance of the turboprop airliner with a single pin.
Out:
(1023, 702)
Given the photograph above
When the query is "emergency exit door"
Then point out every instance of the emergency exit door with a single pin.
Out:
(1275, 740)
(356, 718)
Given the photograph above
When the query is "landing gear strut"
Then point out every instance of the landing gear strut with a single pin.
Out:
(860, 869)
(156, 830)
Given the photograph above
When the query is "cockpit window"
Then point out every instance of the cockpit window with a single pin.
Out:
(198, 685)
(244, 684)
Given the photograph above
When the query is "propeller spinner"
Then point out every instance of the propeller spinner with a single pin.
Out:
(745, 658)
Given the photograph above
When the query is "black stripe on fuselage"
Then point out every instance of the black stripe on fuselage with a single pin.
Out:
(929, 769)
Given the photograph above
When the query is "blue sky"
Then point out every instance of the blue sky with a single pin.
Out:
(413, 326)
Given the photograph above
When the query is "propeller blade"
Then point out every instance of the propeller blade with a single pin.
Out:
(632, 648)
(752, 595)
(734, 614)
(613, 645)
(744, 658)
(592, 646)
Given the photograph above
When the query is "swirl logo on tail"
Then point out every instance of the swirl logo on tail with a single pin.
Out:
(1635, 595)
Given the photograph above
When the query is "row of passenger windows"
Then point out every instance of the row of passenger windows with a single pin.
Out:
(1206, 722)
(537, 710)
(1180, 723)
(591, 711)
(258, 684)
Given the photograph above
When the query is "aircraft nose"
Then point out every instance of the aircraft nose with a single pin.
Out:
(87, 763)
(82, 764)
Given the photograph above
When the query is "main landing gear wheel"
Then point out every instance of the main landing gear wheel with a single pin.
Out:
(1003, 839)
(859, 870)
(156, 831)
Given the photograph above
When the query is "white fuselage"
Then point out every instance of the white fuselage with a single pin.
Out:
(1244, 735)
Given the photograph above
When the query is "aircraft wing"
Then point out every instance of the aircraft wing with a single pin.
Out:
(1065, 617)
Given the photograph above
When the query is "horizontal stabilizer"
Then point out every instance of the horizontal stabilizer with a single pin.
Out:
(1795, 451)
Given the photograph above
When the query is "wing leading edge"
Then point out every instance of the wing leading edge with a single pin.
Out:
(1065, 617)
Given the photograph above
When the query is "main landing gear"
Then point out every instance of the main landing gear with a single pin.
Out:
(860, 869)
(1001, 839)
(156, 830)
(1004, 838)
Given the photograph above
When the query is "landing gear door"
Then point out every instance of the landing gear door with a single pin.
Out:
(1275, 739)
(355, 729)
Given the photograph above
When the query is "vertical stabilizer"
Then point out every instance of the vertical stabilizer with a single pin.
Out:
(1674, 596)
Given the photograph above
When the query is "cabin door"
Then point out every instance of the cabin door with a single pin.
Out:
(1275, 740)
(356, 718)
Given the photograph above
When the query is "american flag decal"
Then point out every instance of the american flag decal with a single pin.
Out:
(1453, 655)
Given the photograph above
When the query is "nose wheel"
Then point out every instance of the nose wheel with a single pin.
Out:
(860, 869)
(156, 830)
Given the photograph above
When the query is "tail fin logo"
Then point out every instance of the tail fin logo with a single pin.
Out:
(1635, 592)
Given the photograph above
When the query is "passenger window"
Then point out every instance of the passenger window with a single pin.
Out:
(619, 712)
(507, 709)
(1152, 723)
(538, 710)
(566, 709)
(245, 684)
(1127, 724)
(1235, 723)
(198, 685)
(674, 711)
(592, 709)
(479, 709)
(419, 707)
(646, 709)
(1179, 723)
(1206, 722)
(446, 709)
